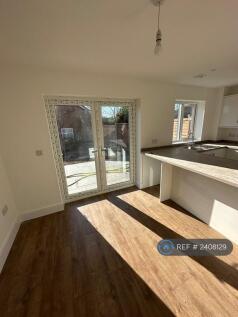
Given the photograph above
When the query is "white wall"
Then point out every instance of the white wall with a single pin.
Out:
(23, 125)
(9, 220)
(212, 113)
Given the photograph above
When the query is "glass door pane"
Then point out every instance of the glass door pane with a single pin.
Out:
(77, 142)
(116, 143)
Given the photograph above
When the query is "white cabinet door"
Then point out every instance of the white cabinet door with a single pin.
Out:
(229, 117)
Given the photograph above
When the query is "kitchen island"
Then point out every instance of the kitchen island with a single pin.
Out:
(203, 180)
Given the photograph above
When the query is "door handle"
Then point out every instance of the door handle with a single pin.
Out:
(103, 149)
(94, 151)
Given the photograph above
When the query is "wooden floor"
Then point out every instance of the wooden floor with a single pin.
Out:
(99, 258)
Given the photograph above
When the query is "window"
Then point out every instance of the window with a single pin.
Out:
(67, 133)
(184, 121)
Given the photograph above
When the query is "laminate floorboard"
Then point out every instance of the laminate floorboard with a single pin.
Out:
(98, 257)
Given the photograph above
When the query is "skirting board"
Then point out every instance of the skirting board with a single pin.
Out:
(8, 242)
(9, 239)
(42, 212)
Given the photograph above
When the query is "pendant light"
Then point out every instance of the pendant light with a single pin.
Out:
(158, 38)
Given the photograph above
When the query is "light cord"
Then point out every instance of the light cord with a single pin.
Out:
(158, 14)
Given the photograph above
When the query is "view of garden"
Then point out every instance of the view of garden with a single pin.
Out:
(77, 145)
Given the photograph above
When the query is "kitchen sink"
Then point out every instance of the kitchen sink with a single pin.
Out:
(217, 151)
(203, 147)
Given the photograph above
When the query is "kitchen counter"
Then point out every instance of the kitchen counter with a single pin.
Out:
(220, 142)
(203, 181)
(197, 161)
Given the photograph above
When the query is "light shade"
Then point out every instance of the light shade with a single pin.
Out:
(157, 49)
(158, 42)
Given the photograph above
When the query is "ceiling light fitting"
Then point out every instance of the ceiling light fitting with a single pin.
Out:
(158, 38)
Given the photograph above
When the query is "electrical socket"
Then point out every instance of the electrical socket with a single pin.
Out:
(5, 210)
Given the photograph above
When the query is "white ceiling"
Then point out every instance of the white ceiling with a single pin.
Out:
(117, 36)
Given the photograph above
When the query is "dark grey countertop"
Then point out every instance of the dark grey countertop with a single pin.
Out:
(219, 168)
(183, 153)
(220, 142)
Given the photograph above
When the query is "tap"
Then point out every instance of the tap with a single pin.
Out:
(190, 140)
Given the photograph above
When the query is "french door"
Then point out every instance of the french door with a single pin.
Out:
(93, 143)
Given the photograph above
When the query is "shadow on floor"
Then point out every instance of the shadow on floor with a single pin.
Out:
(68, 269)
(220, 269)
(155, 191)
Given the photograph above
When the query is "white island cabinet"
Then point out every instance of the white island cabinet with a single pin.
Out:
(207, 191)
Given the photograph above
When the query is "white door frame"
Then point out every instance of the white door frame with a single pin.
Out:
(95, 103)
